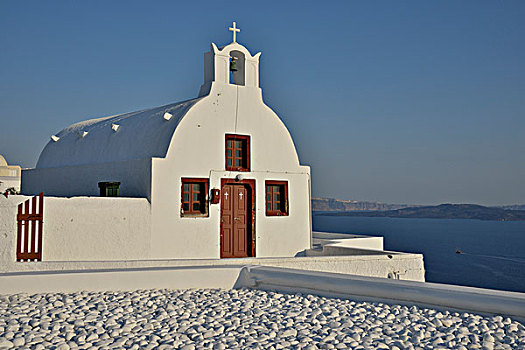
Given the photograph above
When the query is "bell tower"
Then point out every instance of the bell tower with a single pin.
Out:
(231, 65)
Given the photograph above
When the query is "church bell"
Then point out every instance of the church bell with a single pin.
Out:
(233, 64)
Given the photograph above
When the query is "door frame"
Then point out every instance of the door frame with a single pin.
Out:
(251, 228)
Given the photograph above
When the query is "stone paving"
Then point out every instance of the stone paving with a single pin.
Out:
(239, 319)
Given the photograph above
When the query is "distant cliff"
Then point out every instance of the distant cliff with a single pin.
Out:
(332, 204)
(512, 207)
(442, 211)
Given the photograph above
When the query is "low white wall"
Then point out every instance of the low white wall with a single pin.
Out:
(96, 228)
(8, 182)
(119, 280)
(378, 289)
(82, 229)
(397, 266)
(325, 239)
(362, 265)
(8, 212)
(360, 242)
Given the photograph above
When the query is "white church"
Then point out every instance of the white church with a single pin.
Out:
(214, 177)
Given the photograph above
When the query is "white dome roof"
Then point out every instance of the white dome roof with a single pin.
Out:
(136, 135)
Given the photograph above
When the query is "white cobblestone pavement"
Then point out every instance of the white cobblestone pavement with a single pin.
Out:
(239, 319)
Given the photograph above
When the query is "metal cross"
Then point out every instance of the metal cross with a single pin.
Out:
(240, 195)
(226, 195)
(234, 30)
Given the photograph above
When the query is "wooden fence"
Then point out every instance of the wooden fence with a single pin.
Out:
(30, 226)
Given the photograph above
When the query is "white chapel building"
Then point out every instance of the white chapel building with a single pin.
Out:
(220, 172)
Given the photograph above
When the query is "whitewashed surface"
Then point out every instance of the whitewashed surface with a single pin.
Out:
(220, 319)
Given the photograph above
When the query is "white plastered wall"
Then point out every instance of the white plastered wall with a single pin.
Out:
(82, 180)
(8, 211)
(88, 228)
(8, 182)
(83, 229)
(197, 150)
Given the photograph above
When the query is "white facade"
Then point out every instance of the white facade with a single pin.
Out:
(9, 176)
(149, 152)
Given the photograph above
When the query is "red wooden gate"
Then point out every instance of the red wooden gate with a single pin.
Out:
(29, 238)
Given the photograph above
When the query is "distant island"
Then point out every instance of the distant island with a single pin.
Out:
(442, 211)
(512, 207)
(338, 207)
(332, 204)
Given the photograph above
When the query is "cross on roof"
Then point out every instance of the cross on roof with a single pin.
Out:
(234, 30)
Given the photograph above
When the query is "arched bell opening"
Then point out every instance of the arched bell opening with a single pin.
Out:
(237, 68)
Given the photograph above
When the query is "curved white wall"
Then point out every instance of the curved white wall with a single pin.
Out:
(197, 150)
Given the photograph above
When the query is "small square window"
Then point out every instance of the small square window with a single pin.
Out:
(194, 197)
(276, 198)
(237, 152)
(108, 189)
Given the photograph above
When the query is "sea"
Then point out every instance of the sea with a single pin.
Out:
(492, 253)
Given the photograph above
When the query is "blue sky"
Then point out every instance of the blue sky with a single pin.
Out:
(396, 101)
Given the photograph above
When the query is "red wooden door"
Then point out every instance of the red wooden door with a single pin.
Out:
(235, 221)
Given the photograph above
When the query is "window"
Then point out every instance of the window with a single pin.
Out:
(237, 152)
(108, 189)
(276, 198)
(194, 197)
